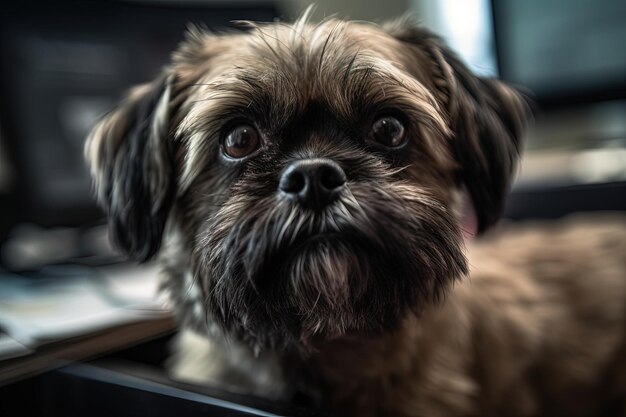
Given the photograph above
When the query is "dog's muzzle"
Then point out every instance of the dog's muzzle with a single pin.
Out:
(313, 183)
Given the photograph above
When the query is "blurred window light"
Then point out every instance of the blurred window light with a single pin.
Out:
(466, 25)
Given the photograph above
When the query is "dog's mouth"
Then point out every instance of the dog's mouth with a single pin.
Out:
(304, 242)
(280, 274)
(314, 238)
(278, 258)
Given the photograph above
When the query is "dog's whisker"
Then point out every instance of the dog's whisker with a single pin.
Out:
(287, 224)
(211, 195)
(352, 202)
(311, 224)
(395, 171)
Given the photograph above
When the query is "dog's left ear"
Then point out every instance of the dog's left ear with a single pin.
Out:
(131, 158)
(487, 119)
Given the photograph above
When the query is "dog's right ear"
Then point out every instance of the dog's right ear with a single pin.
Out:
(487, 119)
(131, 156)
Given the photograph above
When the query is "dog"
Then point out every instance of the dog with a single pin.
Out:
(307, 188)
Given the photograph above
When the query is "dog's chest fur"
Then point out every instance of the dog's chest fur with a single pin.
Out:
(536, 330)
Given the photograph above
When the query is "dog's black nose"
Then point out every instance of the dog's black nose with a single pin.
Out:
(314, 183)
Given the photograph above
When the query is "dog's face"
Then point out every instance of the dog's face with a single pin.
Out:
(313, 173)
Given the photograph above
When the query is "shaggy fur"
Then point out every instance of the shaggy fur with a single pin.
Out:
(343, 303)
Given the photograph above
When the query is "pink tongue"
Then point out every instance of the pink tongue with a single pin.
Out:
(469, 221)
(469, 224)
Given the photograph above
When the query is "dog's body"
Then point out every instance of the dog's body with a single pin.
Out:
(307, 182)
(537, 329)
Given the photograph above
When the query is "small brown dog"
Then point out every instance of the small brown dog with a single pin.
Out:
(308, 181)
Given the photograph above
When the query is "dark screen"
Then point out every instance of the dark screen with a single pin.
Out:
(62, 66)
(563, 50)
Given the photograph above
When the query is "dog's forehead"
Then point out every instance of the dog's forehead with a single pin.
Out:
(324, 39)
(312, 59)
(318, 56)
(283, 68)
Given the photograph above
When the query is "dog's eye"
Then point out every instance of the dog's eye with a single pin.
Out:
(388, 131)
(241, 141)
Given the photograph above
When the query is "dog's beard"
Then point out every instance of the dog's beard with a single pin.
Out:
(277, 275)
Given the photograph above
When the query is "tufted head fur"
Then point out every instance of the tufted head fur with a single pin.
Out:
(265, 269)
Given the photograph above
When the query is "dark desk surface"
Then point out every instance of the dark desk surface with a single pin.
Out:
(131, 382)
(60, 353)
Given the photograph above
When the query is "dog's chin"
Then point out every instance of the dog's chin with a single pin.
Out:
(322, 288)
(277, 276)
(344, 284)
(325, 286)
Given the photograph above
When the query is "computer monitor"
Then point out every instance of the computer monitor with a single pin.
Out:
(62, 66)
(565, 51)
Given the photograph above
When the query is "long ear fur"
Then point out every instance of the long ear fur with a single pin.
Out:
(131, 163)
(486, 116)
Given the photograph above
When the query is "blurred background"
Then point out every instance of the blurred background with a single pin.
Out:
(63, 64)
